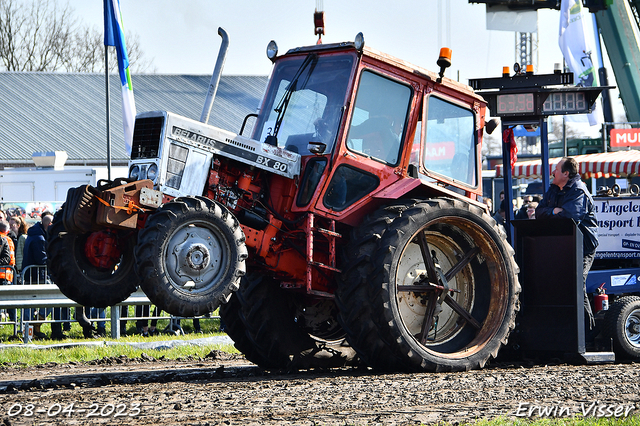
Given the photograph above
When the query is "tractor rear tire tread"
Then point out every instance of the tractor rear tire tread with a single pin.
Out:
(273, 338)
(236, 330)
(272, 333)
(367, 295)
(353, 291)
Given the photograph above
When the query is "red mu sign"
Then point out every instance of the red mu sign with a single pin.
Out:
(624, 137)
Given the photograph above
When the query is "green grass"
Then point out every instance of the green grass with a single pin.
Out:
(19, 355)
(25, 357)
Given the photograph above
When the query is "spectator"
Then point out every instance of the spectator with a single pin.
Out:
(100, 315)
(489, 203)
(531, 210)
(500, 215)
(124, 313)
(5, 255)
(35, 254)
(522, 212)
(19, 227)
(143, 324)
(7, 274)
(176, 328)
(7, 261)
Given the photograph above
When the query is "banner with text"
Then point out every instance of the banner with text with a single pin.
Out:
(618, 228)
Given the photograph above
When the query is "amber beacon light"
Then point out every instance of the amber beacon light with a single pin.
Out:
(444, 61)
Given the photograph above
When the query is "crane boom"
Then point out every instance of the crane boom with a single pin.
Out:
(620, 32)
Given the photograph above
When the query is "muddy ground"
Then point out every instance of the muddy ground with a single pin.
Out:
(224, 389)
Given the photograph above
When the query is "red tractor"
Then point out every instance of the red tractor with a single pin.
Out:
(347, 224)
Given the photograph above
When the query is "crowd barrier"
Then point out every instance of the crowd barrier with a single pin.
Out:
(41, 292)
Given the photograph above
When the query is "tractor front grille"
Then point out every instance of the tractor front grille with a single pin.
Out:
(175, 165)
(146, 137)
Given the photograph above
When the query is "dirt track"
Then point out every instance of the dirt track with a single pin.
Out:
(227, 390)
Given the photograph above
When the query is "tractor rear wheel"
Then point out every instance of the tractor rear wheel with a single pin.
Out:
(443, 291)
(357, 267)
(78, 277)
(190, 256)
(288, 331)
(236, 330)
(622, 324)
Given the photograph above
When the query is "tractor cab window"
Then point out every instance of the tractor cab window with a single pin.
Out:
(379, 117)
(450, 145)
(305, 101)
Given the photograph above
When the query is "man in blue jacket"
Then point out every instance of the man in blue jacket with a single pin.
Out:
(35, 254)
(568, 197)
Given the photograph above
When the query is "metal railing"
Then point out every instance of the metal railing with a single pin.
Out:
(42, 293)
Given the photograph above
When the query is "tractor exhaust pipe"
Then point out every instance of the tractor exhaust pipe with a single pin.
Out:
(215, 78)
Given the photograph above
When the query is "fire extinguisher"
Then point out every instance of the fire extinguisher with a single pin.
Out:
(601, 301)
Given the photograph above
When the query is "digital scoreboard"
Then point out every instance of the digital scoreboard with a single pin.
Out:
(543, 101)
(515, 103)
(528, 96)
(567, 103)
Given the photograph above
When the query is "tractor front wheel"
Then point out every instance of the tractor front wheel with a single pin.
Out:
(82, 276)
(190, 256)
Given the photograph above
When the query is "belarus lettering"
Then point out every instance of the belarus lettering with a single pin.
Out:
(193, 136)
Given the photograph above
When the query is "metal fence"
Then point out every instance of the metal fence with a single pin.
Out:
(41, 292)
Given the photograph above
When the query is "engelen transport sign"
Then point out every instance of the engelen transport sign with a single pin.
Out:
(624, 137)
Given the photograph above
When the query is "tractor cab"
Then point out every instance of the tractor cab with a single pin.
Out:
(356, 117)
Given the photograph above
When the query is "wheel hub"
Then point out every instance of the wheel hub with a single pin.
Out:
(101, 249)
(413, 305)
(633, 328)
(195, 257)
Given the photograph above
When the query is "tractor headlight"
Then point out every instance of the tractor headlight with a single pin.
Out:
(359, 42)
(134, 172)
(272, 50)
(152, 172)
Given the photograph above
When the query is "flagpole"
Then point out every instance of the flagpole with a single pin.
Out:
(106, 84)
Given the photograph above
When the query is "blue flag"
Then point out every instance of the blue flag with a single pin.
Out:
(114, 36)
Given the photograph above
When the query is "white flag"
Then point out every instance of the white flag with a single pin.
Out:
(577, 44)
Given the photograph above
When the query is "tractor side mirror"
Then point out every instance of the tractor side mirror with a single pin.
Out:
(317, 148)
(491, 125)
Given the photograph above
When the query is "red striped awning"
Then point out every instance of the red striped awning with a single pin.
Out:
(618, 164)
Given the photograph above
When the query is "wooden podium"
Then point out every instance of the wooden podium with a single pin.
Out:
(551, 318)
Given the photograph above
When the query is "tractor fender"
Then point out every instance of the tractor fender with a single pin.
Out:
(398, 189)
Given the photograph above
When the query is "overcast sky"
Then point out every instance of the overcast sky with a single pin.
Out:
(181, 36)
